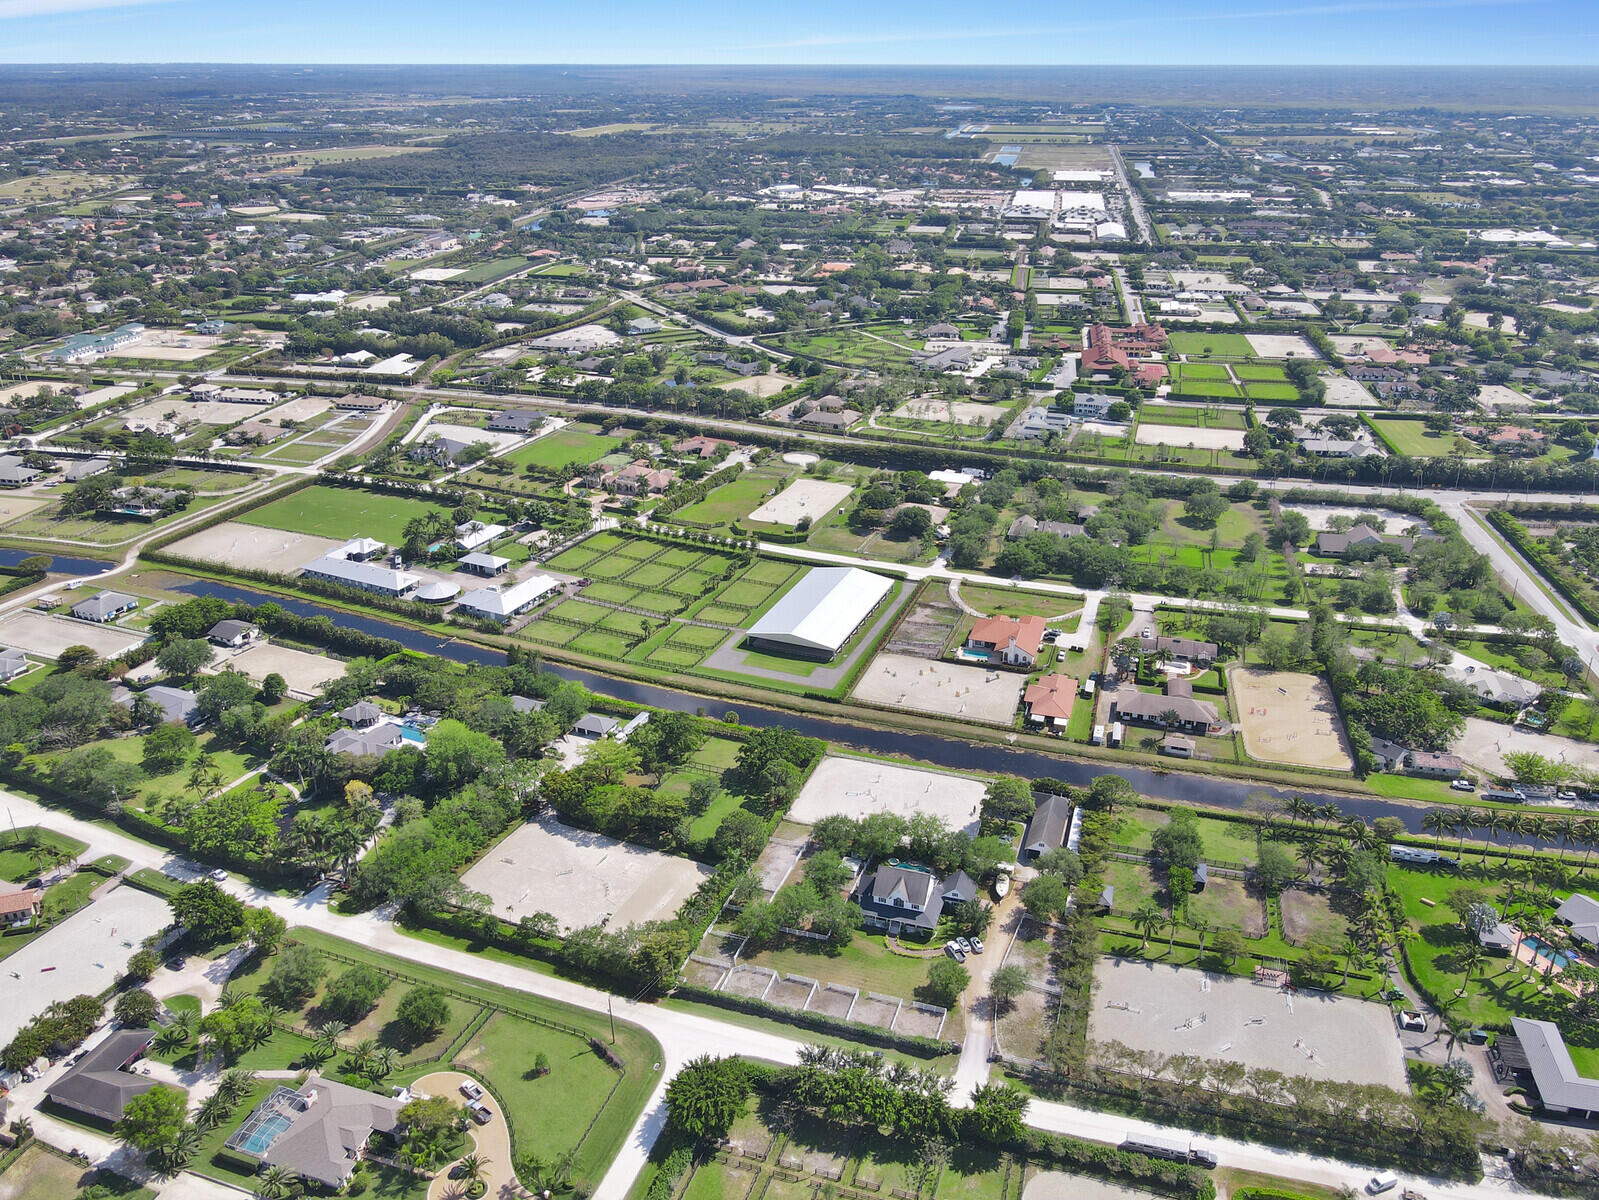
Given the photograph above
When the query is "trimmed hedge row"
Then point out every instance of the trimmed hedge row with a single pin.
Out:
(1558, 576)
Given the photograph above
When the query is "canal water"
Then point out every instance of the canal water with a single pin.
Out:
(950, 753)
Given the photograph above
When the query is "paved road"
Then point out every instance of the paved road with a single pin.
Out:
(1135, 202)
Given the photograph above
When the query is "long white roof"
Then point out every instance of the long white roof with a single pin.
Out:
(823, 608)
(499, 602)
(1559, 1081)
(364, 574)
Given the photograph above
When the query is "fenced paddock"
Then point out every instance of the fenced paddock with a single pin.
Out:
(303, 672)
(857, 787)
(946, 689)
(1177, 1010)
(1289, 717)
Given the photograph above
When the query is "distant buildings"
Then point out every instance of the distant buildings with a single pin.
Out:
(86, 347)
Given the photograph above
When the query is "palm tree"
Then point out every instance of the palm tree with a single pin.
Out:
(1465, 821)
(1148, 919)
(183, 1146)
(471, 1167)
(276, 1183)
(1471, 958)
(235, 1085)
(1201, 926)
(1438, 821)
(171, 1039)
(1298, 807)
(329, 1033)
(1352, 952)
(212, 1112)
(383, 1062)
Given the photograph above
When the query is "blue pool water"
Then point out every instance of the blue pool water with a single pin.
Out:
(413, 735)
(1543, 950)
(259, 1140)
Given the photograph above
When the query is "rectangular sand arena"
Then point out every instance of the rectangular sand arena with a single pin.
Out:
(1289, 717)
(171, 347)
(1178, 1010)
(85, 953)
(1281, 345)
(303, 672)
(581, 878)
(947, 689)
(301, 408)
(813, 498)
(1186, 435)
(964, 412)
(858, 787)
(235, 545)
(208, 412)
(47, 635)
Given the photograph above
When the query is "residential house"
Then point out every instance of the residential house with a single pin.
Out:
(701, 446)
(1010, 640)
(1361, 538)
(107, 606)
(84, 468)
(515, 422)
(1049, 701)
(19, 906)
(836, 421)
(1434, 764)
(474, 535)
(176, 704)
(1177, 709)
(1024, 525)
(1093, 406)
(1581, 913)
(323, 1129)
(1181, 649)
(12, 664)
(639, 477)
(909, 900)
(373, 741)
(99, 1084)
(595, 725)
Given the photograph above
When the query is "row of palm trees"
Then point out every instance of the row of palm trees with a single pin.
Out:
(1569, 830)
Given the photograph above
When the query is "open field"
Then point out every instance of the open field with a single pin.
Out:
(340, 154)
(580, 444)
(259, 547)
(341, 513)
(1226, 345)
(1290, 718)
(581, 877)
(47, 636)
(303, 672)
(962, 412)
(1411, 438)
(945, 689)
(813, 498)
(733, 500)
(857, 787)
(84, 953)
(1176, 1010)
(207, 412)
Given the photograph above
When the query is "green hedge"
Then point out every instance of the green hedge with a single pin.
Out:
(1576, 591)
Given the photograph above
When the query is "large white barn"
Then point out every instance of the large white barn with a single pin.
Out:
(821, 612)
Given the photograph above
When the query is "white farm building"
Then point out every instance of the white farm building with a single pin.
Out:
(821, 612)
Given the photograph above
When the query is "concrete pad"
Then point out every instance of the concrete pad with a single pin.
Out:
(1177, 1010)
(83, 954)
(859, 787)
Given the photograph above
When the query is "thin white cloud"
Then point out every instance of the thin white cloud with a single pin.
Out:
(910, 37)
(49, 8)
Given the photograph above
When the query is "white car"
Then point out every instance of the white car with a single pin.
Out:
(471, 1090)
(218, 874)
(977, 945)
(1460, 785)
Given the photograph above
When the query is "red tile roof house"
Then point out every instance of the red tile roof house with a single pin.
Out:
(640, 477)
(705, 447)
(1014, 642)
(19, 907)
(1049, 701)
(1109, 348)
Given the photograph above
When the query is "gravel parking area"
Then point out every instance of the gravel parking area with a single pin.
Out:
(1176, 1010)
(857, 787)
(947, 689)
(580, 877)
(83, 954)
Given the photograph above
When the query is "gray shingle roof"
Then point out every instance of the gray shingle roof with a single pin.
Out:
(98, 1086)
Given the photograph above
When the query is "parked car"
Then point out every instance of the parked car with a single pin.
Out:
(964, 944)
(1461, 785)
(977, 945)
(217, 874)
(1565, 794)
(1383, 1181)
(954, 951)
(481, 1113)
(471, 1090)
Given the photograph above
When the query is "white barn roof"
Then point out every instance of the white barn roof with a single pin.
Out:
(823, 609)
(495, 602)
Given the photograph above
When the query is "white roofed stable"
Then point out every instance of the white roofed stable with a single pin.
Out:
(500, 604)
(821, 612)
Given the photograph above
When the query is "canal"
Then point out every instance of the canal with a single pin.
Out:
(948, 752)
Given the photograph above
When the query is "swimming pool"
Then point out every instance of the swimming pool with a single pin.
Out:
(413, 735)
(1543, 950)
(257, 1138)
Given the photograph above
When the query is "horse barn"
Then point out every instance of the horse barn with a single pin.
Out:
(820, 613)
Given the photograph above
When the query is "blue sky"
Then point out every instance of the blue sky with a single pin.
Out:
(1376, 32)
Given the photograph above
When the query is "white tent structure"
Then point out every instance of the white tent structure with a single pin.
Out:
(821, 612)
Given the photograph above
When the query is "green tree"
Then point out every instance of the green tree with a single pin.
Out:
(152, 1121)
(1007, 983)
(182, 657)
(706, 1097)
(354, 992)
(1045, 897)
(996, 1113)
(166, 748)
(741, 834)
(422, 1012)
(946, 980)
(1008, 798)
(457, 755)
(1275, 867)
(135, 1008)
(208, 913)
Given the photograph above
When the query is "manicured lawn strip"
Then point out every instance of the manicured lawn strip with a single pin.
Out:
(1285, 392)
(1412, 439)
(1260, 373)
(1011, 602)
(866, 963)
(581, 444)
(1231, 841)
(22, 858)
(1226, 345)
(339, 513)
(732, 501)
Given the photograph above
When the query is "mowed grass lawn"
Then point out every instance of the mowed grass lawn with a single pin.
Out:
(581, 444)
(1412, 439)
(1226, 345)
(732, 501)
(339, 513)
